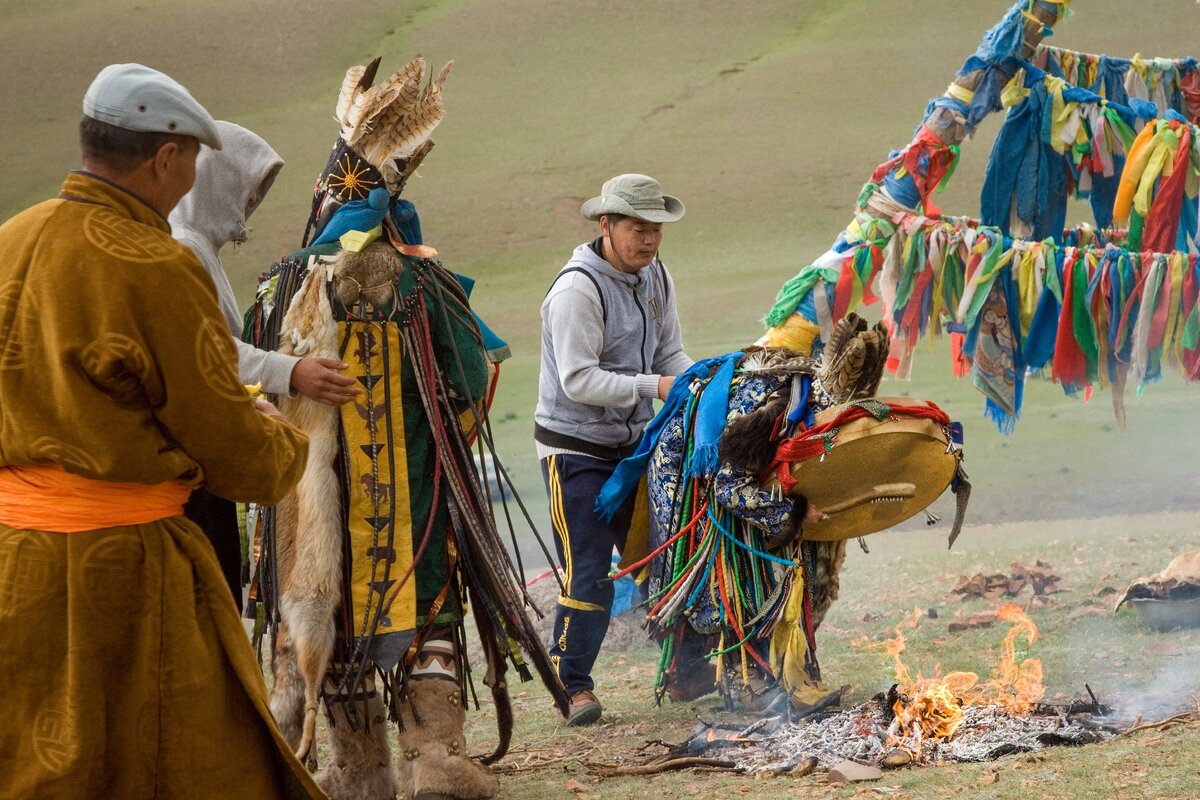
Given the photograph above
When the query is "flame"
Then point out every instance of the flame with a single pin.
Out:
(932, 707)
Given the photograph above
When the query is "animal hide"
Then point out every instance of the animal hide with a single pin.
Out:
(747, 441)
(825, 584)
(309, 530)
(369, 275)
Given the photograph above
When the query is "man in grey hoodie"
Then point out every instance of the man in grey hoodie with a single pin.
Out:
(230, 185)
(611, 343)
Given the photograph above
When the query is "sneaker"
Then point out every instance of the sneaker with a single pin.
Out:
(585, 709)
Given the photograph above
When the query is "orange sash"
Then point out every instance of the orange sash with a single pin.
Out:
(48, 498)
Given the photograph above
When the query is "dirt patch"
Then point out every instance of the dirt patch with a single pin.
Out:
(625, 631)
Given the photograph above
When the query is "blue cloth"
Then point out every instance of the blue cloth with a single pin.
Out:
(1104, 193)
(625, 593)
(1003, 301)
(357, 215)
(1023, 165)
(803, 412)
(365, 214)
(407, 221)
(1043, 330)
(629, 472)
(1110, 76)
(1003, 40)
(710, 420)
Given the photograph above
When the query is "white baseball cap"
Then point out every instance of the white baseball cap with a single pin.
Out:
(138, 98)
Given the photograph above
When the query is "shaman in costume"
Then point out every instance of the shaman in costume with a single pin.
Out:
(368, 566)
(738, 587)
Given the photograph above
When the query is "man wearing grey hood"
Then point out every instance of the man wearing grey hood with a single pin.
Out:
(230, 185)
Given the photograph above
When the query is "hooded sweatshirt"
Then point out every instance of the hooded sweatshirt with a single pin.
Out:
(607, 337)
(213, 214)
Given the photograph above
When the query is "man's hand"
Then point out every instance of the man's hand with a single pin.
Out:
(812, 516)
(664, 385)
(266, 407)
(318, 379)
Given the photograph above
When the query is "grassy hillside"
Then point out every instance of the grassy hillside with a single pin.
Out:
(765, 117)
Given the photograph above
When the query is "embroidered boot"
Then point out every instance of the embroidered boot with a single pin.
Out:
(433, 762)
(360, 765)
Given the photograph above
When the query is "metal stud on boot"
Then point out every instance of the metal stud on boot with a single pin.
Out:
(434, 764)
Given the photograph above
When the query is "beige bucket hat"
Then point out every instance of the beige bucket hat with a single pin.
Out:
(633, 195)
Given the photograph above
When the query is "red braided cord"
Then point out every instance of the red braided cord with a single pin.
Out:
(809, 443)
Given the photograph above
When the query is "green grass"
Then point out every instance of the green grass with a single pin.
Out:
(1127, 666)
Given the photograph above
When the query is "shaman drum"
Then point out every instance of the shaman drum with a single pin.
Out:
(869, 465)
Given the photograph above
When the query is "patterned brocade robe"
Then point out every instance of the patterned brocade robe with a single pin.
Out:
(127, 672)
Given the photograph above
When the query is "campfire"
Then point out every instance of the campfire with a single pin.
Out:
(945, 718)
(933, 708)
(954, 716)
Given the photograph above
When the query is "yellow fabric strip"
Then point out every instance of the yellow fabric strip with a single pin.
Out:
(1028, 290)
(960, 93)
(578, 605)
(796, 333)
(1159, 158)
(1135, 164)
(379, 491)
(1173, 315)
(1014, 91)
(637, 541)
(558, 519)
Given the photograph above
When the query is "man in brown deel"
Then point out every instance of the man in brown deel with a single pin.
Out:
(127, 673)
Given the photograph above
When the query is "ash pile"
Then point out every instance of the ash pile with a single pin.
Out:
(870, 734)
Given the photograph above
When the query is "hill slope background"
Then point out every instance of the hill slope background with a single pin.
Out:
(764, 117)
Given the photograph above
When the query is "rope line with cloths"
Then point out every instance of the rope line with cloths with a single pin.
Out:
(1167, 82)
(988, 294)
(1094, 312)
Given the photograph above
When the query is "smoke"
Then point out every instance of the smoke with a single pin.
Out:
(1134, 670)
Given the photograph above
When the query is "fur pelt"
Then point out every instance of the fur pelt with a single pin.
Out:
(309, 533)
(746, 442)
(826, 580)
(369, 275)
(434, 764)
(287, 692)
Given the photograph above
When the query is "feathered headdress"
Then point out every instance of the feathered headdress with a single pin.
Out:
(385, 132)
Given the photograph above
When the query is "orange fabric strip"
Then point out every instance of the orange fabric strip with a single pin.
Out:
(48, 498)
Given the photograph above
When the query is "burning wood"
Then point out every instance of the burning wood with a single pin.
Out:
(863, 734)
(927, 708)
(952, 717)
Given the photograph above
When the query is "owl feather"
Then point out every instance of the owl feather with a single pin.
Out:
(411, 131)
(854, 359)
